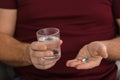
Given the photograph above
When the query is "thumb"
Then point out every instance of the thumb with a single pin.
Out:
(61, 42)
(103, 51)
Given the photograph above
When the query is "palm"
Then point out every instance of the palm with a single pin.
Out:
(93, 51)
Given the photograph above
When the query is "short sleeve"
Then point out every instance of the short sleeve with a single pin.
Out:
(8, 4)
(116, 8)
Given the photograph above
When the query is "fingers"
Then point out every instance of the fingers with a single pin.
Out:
(40, 54)
(92, 63)
(44, 67)
(93, 52)
(38, 51)
(40, 63)
(61, 42)
(38, 46)
(79, 64)
(72, 63)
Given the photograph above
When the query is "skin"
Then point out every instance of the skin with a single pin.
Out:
(19, 53)
(24, 54)
(96, 51)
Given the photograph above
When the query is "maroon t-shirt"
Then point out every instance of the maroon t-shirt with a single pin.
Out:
(80, 22)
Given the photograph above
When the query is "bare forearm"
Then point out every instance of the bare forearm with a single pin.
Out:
(13, 52)
(113, 48)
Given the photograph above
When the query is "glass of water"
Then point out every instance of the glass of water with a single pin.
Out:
(51, 37)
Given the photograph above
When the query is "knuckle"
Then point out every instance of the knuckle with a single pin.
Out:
(33, 45)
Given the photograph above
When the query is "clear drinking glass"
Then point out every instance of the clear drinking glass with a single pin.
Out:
(51, 37)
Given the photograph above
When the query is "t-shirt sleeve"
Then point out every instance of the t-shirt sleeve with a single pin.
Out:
(8, 4)
(116, 8)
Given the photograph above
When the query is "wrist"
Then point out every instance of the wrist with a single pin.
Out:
(27, 54)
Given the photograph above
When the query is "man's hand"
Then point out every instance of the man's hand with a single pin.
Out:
(37, 51)
(89, 56)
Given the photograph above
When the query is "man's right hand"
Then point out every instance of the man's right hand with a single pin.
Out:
(38, 50)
